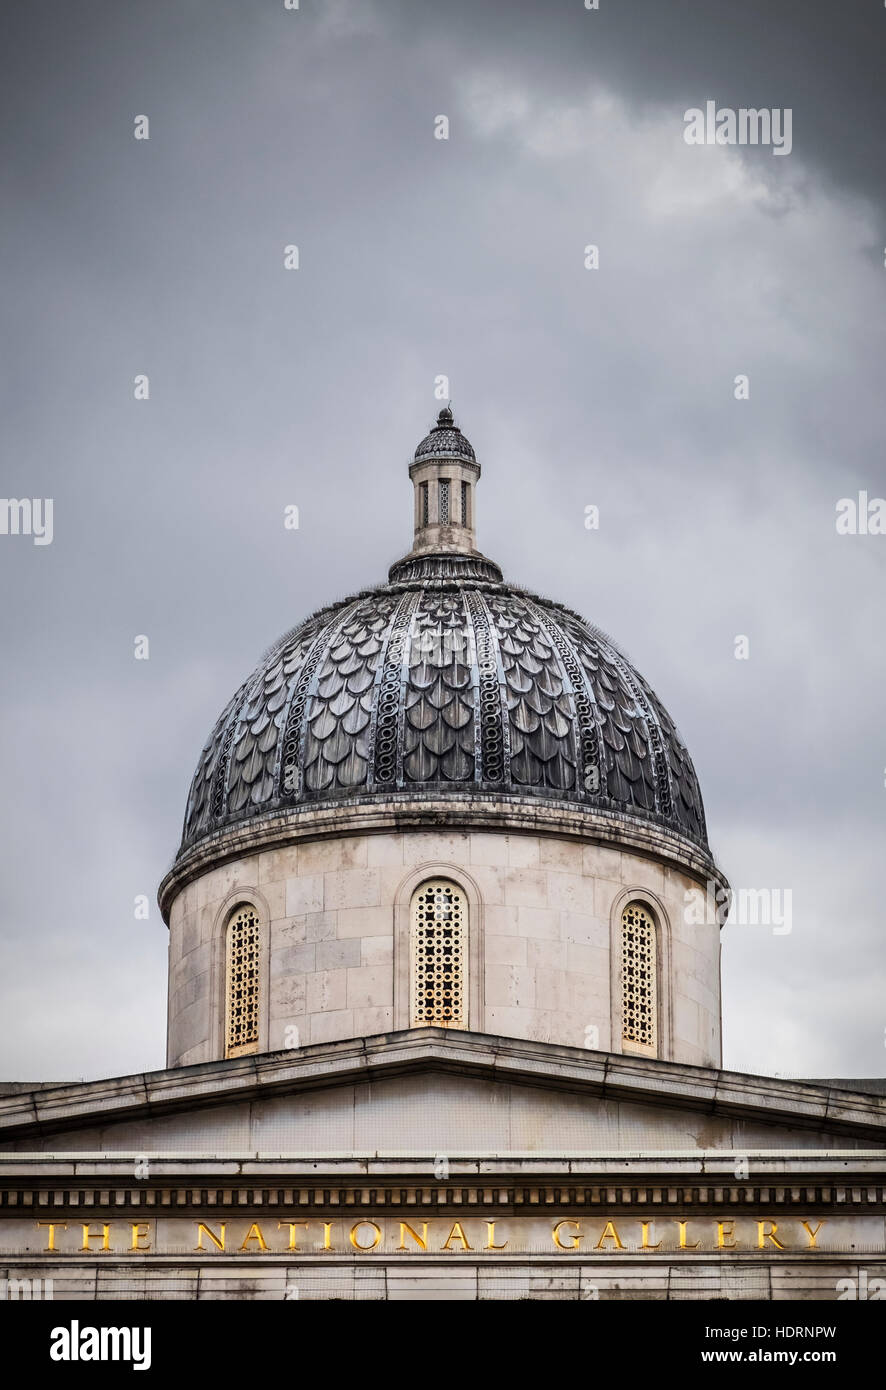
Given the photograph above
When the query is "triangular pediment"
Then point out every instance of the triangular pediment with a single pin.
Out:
(426, 1091)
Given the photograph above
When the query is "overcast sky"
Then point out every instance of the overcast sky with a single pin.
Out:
(421, 257)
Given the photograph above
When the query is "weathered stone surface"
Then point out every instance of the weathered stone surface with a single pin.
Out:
(457, 1089)
(565, 1174)
(556, 978)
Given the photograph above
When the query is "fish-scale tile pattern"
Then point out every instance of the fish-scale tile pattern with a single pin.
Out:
(401, 664)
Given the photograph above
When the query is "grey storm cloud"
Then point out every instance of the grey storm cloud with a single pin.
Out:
(420, 258)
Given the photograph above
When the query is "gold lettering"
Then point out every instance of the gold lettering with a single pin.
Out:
(53, 1227)
(812, 1234)
(646, 1246)
(420, 1240)
(254, 1233)
(683, 1245)
(140, 1231)
(292, 1225)
(457, 1234)
(609, 1233)
(763, 1235)
(567, 1235)
(218, 1241)
(376, 1238)
(104, 1236)
(574, 1238)
(490, 1242)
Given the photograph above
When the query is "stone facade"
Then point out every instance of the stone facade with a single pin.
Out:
(429, 1164)
(544, 930)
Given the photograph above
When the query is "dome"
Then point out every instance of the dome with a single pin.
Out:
(460, 686)
(444, 682)
(445, 440)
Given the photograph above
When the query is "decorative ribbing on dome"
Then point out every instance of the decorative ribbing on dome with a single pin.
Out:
(494, 750)
(292, 749)
(441, 687)
(386, 740)
(592, 779)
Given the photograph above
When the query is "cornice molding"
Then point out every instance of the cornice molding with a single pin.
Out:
(255, 1191)
(509, 814)
(547, 1066)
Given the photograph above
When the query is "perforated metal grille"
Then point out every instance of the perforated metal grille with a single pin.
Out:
(242, 980)
(439, 956)
(444, 501)
(465, 518)
(424, 504)
(638, 965)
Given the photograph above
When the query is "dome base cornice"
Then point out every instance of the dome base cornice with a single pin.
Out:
(405, 812)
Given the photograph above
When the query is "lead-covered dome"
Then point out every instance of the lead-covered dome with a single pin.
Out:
(445, 682)
(445, 440)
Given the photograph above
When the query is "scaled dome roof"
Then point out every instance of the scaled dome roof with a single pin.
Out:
(445, 439)
(445, 681)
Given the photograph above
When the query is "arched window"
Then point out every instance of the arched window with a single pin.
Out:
(639, 990)
(242, 959)
(438, 956)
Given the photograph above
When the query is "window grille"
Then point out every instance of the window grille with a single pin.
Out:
(444, 501)
(424, 504)
(639, 989)
(243, 952)
(465, 518)
(439, 956)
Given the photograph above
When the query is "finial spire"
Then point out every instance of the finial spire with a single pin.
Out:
(444, 473)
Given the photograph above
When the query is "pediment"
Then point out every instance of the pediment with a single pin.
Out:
(425, 1091)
